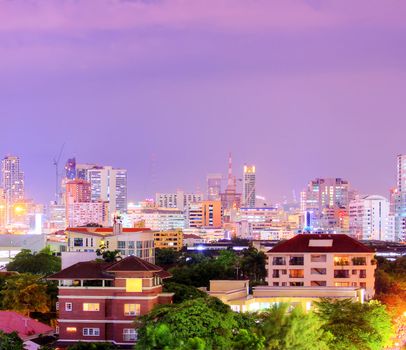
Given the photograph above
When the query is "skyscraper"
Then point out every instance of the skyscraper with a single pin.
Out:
(78, 191)
(70, 169)
(248, 186)
(12, 179)
(214, 186)
(399, 198)
(230, 198)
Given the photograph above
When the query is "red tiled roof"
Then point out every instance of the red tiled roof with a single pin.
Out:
(26, 327)
(84, 270)
(191, 235)
(341, 244)
(105, 230)
(133, 263)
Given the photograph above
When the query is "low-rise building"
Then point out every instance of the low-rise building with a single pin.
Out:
(322, 260)
(98, 301)
(168, 239)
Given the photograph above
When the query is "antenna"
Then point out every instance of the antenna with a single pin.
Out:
(56, 164)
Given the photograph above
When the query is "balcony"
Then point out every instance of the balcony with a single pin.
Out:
(296, 260)
(278, 261)
(341, 274)
(359, 261)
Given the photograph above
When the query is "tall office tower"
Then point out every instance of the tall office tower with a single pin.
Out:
(369, 218)
(12, 179)
(230, 198)
(214, 186)
(399, 198)
(179, 199)
(110, 185)
(322, 194)
(70, 169)
(78, 191)
(248, 186)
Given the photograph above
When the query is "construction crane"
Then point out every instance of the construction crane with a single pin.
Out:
(56, 164)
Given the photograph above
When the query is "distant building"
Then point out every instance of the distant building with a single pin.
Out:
(230, 198)
(85, 213)
(98, 301)
(11, 245)
(248, 186)
(214, 186)
(172, 239)
(399, 199)
(70, 169)
(129, 241)
(322, 260)
(191, 240)
(78, 190)
(205, 214)
(155, 218)
(369, 218)
(179, 200)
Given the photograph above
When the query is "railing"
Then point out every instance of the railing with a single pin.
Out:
(296, 261)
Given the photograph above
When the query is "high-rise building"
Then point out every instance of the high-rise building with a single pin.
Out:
(399, 198)
(70, 169)
(78, 190)
(205, 214)
(369, 218)
(248, 186)
(84, 213)
(179, 199)
(230, 199)
(110, 185)
(214, 186)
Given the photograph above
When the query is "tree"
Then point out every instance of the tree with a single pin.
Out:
(25, 293)
(253, 265)
(183, 292)
(204, 323)
(355, 326)
(295, 330)
(109, 255)
(10, 341)
(42, 263)
(166, 257)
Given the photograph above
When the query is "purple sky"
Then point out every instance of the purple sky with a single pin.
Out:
(302, 89)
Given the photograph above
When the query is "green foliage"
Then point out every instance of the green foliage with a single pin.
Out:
(25, 293)
(92, 346)
(166, 257)
(355, 326)
(253, 264)
(42, 263)
(10, 341)
(295, 330)
(204, 323)
(108, 255)
(183, 292)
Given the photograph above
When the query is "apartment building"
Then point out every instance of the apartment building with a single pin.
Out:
(98, 301)
(172, 239)
(320, 261)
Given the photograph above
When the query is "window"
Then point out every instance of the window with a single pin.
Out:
(133, 285)
(296, 260)
(318, 283)
(130, 244)
(57, 306)
(318, 258)
(139, 244)
(363, 285)
(131, 252)
(71, 329)
(354, 272)
(359, 261)
(278, 260)
(91, 332)
(284, 272)
(78, 242)
(342, 284)
(296, 284)
(296, 273)
(318, 271)
(276, 284)
(91, 307)
(341, 273)
(275, 274)
(121, 244)
(284, 284)
(362, 273)
(341, 260)
(129, 334)
(132, 309)
(68, 306)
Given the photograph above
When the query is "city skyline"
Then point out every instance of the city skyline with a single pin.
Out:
(301, 89)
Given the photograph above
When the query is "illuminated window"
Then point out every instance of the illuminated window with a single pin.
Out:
(296, 273)
(133, 285)
(91, 332)
(132, 309)
(71, 329)
(68, 306)
(342, 284)
(91, 306)
(341, 260)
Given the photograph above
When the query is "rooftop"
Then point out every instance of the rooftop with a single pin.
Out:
(308, 243)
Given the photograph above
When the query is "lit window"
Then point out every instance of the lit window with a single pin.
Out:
(133, 285)
(129, 334)
(91, 306)
(71, 329)
(68, 306)
(132, 309)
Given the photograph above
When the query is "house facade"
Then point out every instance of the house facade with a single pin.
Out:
(98, 301)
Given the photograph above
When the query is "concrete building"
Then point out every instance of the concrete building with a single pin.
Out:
(214, 186)
(322, 260)
(78, 190)
(85, 213)
(70, 169)
(204, 214)
(161, 219)
(98, 301)
(369, 218)
(179, 200)
(11, 245)
(172, 239)
(129, 241)
(249, 186)
(399, 199)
